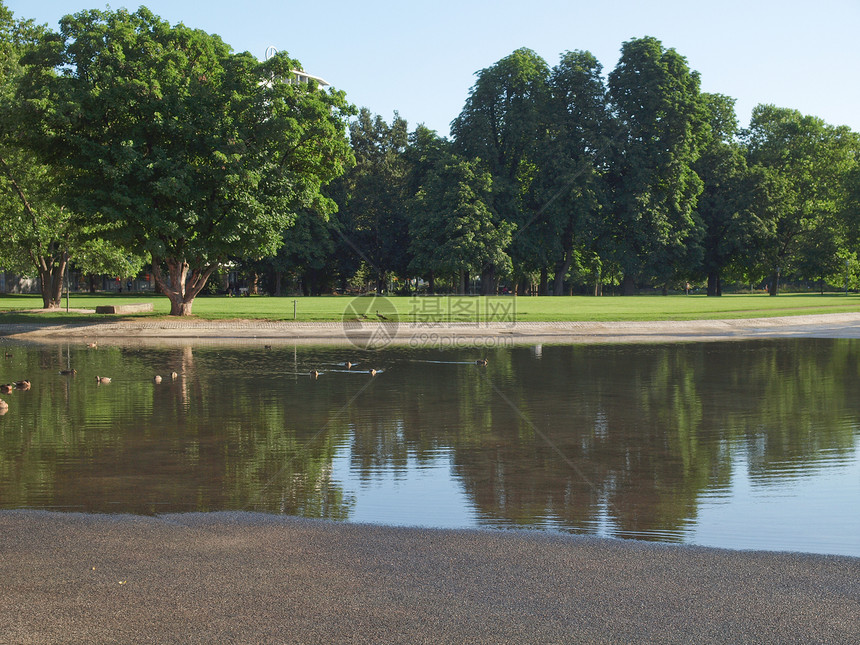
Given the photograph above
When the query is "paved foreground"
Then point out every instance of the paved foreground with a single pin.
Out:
(251, 578)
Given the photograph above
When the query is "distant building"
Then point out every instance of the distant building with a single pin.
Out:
(304, 77)
(301, 76)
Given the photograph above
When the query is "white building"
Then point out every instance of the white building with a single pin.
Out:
(301, 76)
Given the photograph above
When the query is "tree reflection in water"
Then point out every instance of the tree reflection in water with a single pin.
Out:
(617, 440)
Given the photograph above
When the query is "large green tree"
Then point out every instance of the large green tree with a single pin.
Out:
(660, 126)
(192, 153)
(502, 124)
(372, 224)
(40, 233)
(572, 162)
(731, 193)
(453, 228)
(806, 163)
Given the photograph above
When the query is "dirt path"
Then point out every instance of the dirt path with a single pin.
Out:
(844, 325)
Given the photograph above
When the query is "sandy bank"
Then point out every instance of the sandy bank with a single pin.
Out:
(375, 334)
(247, 578)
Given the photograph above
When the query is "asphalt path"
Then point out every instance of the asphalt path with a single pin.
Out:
(252, 578)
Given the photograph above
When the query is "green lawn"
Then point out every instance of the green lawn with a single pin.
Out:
(453, 308)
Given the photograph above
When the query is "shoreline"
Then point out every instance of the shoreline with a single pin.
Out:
(255, 578)
(378, 334)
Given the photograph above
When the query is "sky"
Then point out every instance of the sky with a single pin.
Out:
(419, 59)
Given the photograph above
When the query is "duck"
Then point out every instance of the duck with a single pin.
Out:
(7, 354)
(69, 372)
(22, 385)
(314, 374)
(482, 362)
(92, 345)
(103, 379)
(349, 365)
(156, 379)
(174, 375)
(380, 316)
(373, 372)
(6, 388)
(3, 405)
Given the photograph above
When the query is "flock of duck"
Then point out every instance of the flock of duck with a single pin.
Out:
(314, 374)
(6, 388)
(103, 380)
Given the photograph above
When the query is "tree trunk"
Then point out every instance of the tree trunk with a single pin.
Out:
(628, 286)
(714, 283)
(774, 284)
(488, 281)
(543, 287)
(598, 284)
(279, 276)
(561, 269)
(51, 272)
(431, 283)
(181, 288)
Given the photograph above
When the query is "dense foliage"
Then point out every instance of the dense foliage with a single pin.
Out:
(181, 149)
(125, 137)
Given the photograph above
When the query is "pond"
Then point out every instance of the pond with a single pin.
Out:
(743, 444)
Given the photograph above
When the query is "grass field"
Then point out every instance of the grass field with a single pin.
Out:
(18, 308)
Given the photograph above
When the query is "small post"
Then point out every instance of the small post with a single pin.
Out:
(67, 286)
(294, 309)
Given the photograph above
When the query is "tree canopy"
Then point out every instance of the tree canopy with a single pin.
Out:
(42, 234)
(807, 164)
(191, 153)
(660, 127)
(126, 140)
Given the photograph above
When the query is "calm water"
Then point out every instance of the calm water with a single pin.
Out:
(738, 445)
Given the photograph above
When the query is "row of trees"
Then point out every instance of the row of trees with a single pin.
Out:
(126, 141)
(557, 177)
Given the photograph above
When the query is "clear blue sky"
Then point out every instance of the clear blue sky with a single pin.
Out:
(420, 58)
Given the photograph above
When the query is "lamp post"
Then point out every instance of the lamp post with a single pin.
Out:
(846, 277)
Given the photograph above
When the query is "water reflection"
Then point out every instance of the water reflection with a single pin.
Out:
(743, 444)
